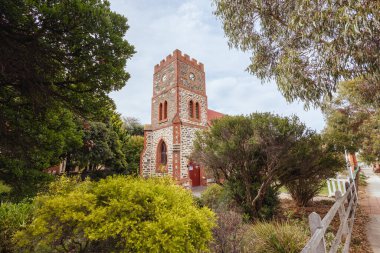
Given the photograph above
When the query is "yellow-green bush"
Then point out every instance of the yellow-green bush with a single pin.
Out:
(275, 237)
(117, 214)
(12, 218)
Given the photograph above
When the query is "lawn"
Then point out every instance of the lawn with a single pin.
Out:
(324, 191)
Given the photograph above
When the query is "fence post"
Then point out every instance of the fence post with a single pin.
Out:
(329, 187)
(315, 223)
(333, 186)
(342, 214)
(350, 193)
(338, 183)
(357, 180)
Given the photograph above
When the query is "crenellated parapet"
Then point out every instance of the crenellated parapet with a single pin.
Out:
(177, 55)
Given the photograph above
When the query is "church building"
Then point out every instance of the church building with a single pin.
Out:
(179, 110)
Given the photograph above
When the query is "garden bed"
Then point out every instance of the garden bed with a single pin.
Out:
(359, 242)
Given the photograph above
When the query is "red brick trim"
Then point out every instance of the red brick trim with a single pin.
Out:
(193, 125)
(177, 55)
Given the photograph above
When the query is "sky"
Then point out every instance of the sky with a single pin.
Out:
(158, 27)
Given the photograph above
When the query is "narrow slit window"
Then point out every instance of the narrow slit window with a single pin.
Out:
(160, 112)
(197, 110)
(191, 109)
(165, 110)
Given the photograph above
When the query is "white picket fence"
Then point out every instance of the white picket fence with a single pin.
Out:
(336, 184)
(345, 206)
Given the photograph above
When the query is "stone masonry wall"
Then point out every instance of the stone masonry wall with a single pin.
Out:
(169, 96)
(196, 83)
(149, 157)
(187, 139)
(165, 79)
(185, 96)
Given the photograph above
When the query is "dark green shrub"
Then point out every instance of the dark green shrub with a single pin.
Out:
(216, 197)
(268, 205)
(304, 190)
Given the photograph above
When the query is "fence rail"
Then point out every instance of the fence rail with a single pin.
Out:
(345, 206)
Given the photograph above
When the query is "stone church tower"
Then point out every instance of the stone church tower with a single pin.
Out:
(179, 110)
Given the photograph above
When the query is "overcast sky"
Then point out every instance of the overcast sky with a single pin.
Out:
(158, 27)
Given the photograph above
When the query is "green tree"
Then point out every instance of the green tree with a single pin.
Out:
(59, 61)
(353, 121)
(101, 147)
(306, 46)
(133, 148)
(43, 139)
(314, 160)
(255, 155)
(4, 190)
(118, 214)
(133, 126)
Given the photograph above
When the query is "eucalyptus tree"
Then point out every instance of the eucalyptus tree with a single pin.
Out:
(306, 46)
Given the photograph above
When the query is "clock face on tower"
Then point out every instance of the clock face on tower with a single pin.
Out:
(191, 78)
(164, 79)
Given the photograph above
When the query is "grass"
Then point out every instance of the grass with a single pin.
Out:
(323, 192)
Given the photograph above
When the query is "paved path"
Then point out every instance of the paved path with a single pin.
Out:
(197, 190)
(371, 204)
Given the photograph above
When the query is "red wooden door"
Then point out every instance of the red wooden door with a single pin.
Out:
(195, 174)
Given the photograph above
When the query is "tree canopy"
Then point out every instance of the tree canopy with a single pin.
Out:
(59, 61)
(133, 126)
(306, 46)
(58, 54)
(255, 155)
(353, 120)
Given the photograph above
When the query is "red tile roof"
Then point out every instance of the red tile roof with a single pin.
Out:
(211, 115)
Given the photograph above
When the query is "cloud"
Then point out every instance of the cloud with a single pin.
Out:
(159, 27)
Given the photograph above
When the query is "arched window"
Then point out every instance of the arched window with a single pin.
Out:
(191, 109)
(160, 112)
(162, 153)
(166, 110)
(197, 110)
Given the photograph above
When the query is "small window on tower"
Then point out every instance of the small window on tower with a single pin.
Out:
(197, 110)
(160, 112)
(166, 110)
(191, 109)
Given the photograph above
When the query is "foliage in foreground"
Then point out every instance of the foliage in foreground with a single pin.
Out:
(13, 217)
(275, 237)
(117, 213)
(229, 232)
